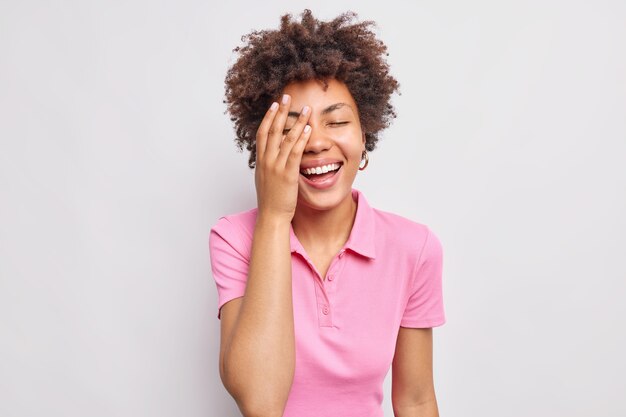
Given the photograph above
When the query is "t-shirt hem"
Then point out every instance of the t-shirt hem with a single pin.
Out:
(226, 299)
(422, 324)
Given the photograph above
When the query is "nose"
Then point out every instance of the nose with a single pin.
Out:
(319, 141)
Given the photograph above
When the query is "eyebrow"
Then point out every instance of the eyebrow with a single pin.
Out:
(327, 110)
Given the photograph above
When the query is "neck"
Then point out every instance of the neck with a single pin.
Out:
(328, 227)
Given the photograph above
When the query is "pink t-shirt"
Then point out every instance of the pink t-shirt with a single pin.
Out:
(387, 275)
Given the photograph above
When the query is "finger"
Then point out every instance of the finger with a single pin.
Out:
(295, 156)
(292, 136)
(275, 133)
(262, 131)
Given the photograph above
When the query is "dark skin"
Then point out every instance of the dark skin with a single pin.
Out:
(257, 351)
(323, 219)
(257, 343)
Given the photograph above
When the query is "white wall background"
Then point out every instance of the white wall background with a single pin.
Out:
(116, 159)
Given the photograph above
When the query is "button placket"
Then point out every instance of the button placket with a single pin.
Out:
(333, 270)
(337, 268)
(324, 315)
(323, 302)
(326, 289)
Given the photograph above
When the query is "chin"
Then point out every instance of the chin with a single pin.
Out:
(325, 200)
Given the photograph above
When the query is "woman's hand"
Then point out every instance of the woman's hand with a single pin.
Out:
(278, 157)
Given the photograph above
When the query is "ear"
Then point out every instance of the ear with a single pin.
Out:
(363, 137)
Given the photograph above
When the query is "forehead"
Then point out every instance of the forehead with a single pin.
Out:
(312, 93)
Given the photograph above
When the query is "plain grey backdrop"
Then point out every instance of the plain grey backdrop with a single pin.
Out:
(116, 158)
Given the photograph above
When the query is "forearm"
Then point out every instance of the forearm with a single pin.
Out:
(427, 408)
(259, 360)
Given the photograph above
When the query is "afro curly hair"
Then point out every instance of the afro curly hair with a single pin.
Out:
(310, 49)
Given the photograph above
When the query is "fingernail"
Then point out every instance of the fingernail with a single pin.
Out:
(305, 110)
(307, 127)
(274, 106)
(285, 98)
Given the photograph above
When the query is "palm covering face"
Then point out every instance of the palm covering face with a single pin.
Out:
(277, 171)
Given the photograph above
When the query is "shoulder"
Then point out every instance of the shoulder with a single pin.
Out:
(236, 228)
(402, 233)
(397, 227)
(244, 220)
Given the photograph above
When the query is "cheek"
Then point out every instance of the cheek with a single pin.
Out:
(351, 142)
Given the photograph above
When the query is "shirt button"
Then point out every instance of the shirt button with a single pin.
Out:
(341, 254)
(325, 309)
(331, 277)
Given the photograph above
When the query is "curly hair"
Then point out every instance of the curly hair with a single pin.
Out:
(310, 49)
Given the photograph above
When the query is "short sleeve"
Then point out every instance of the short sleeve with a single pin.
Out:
(425, 305)
(229, 262)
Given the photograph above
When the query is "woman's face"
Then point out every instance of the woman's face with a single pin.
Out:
(336, 137)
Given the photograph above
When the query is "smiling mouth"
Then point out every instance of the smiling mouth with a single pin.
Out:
(315, 177)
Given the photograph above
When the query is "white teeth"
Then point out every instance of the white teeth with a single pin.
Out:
(321, 170)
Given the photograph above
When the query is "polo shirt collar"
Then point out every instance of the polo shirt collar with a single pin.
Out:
(362, 235)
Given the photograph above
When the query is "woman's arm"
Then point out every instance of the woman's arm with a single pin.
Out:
(258, 356)
(258, 342)
(412, 387)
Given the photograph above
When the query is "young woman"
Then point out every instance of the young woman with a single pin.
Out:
(319, 293)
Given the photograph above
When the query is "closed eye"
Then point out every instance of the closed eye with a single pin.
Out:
(285, 131)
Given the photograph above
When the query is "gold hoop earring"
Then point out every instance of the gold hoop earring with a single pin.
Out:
(367, 161)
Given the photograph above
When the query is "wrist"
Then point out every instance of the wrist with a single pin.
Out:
(273, 221)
